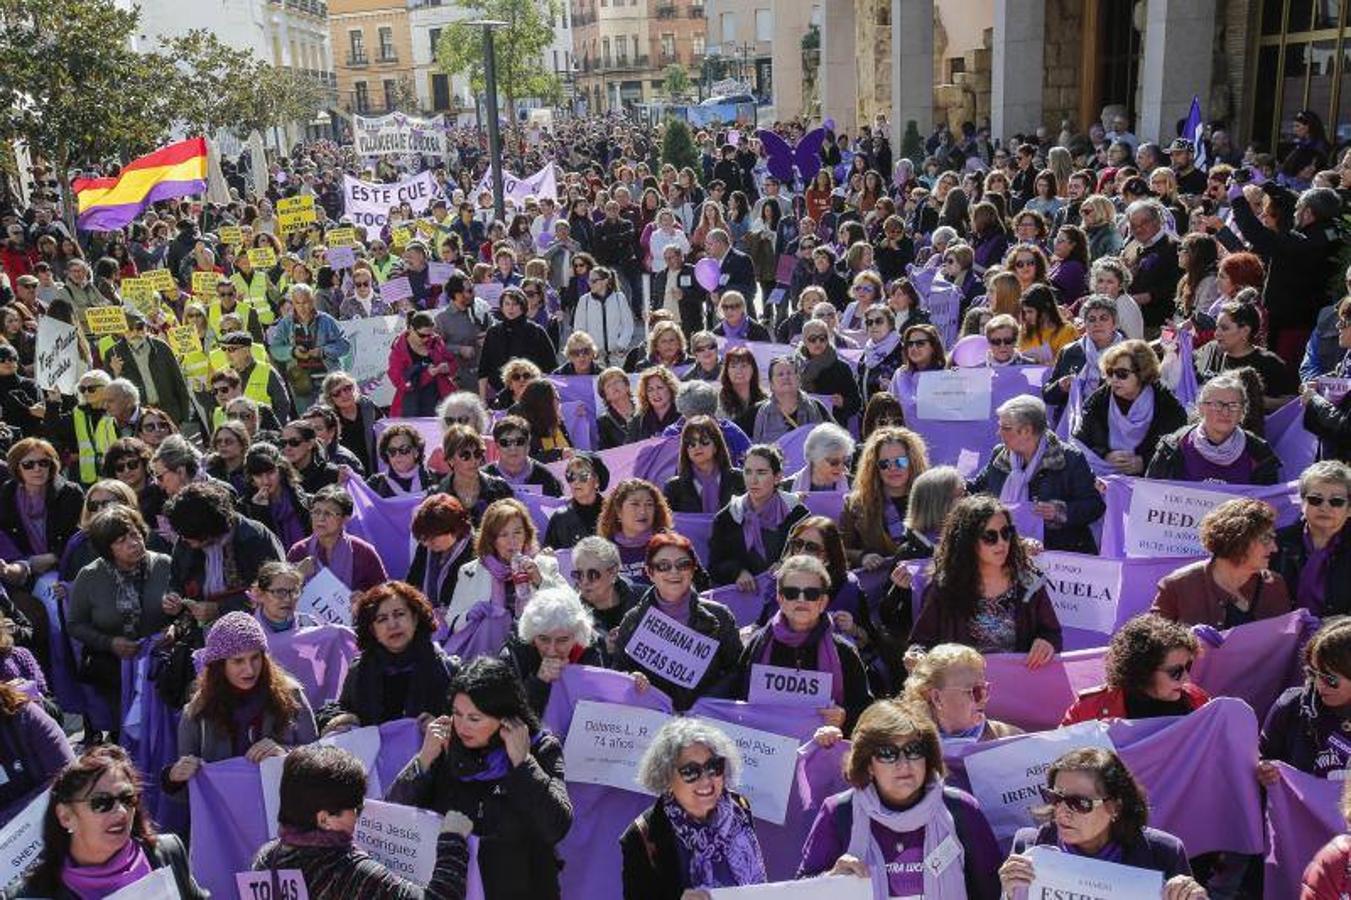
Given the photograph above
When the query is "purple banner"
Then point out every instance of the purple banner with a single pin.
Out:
(1303, 813)
(386, 523)
(746, 607)
(429, 427)
(1291, 441)
(698, 527)
(317, 656)
(621, 461)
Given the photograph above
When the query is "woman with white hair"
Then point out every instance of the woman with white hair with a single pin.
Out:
(555, 631)
(699, 833)
(459, 408)
(828, 451)
(1217, 448)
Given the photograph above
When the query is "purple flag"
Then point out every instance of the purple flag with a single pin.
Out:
(1303, 813)
(317, 656)
(698, 527)
(824, 503)
(581, 388)
(790, 445)
(1187, 391)
(619, 460)
(386, 523)
(943, 300)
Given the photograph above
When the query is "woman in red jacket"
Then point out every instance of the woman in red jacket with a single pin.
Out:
(421, 368)
(1148, 668)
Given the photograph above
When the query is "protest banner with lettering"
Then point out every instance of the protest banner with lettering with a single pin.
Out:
(368, 203)
(396, 289)
(371, 339)
(295, 213)
(1165, 519)
(1007, 777)
(767, 764)
(1084, 589)
(345, 236)
(21, 839)
(954, 395)
(826, 887)
(543, 183)
(791, 687)
(158, 885)
(57, 356)
(341, 258)
(401, 837)
(439, 272)
(606, 741)
(274, 884)
(183, 340)
(397, 133)
(326, 598)
(1060, 874)
(106, 320)
(204, 284)
(263, 257)
(140, 293)
(670, 650)
(159, 279)
(231, 234)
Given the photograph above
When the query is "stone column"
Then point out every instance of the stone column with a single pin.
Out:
(912, 69)
(839, 65)
(1179, 35)
(1016, 83)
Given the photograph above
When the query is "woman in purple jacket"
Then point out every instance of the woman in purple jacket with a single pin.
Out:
(898, 815)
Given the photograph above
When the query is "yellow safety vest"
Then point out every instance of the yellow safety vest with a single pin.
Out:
(255, 290)
(197, 369)
(246, 308)
(255, 389)
(91, 447)
(382, 270)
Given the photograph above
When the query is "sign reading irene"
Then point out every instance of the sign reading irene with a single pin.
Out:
(1165, 519)
(670, 650)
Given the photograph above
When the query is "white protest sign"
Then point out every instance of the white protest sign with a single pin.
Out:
(371, 339)
(364, 744)
(368, 203)
(401, 837)
(490, 292)
(1084, 589)
(1007, 779)
(21, 840)
(57, 356)
(790, 687)
(670, 650)
(606, 741)
(954, 395)
(439, 272)
(341, 257)
(1060, 874)
(326, 598)
(397, 133)
(269, 774)
(827, 887)
(768, 762)
(158, 885)
(1165, 520)
(290, 885)
(543, 183)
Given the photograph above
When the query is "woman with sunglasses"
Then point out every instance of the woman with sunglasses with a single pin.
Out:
(985, 592)
(154, 426)
(1218, 448)
(1098, 810)
(515, 466)
(39, 509)
(98, 837)
(402, 449)
(827, 452)
(883, 353)
(897, 811)
(699, 834)
(873, 519)
(605, 313)
(704, 352)
(1027, 262)
(300, 444)
(1081, 358)
(823, 372)
(467, 482)
(513, 337)
(1148, 674)
(128, 460)
(670, 567)
(421, 368)
(742, 394)
(950, 682)
(801, 635)
(609, 595)
(356, 417)
(750, 532)
(580, 351)
(1307, 725)
(555, 630)
(923, 351)
(705, 479)
(1313, 553)
(1235, 586)
(1124, 419)
(587, 477)
(276, 499)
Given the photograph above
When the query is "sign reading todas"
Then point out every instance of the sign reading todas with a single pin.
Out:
(282, 884)
(790, 687)
(1068, 875)
(670, 650)
(368, 203)
(607, 740)
(1165, 519)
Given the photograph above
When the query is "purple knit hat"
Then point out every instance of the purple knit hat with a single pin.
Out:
(234, 634)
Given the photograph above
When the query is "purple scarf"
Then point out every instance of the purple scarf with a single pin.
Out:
(679, 610)
(891, 519)
(494, 765)
(739, 331)
(214, 577)
(126, 866)
(722, 851)
(874, 353)
(1127, 430)
(438, 567)
(1225, 453)
(519, 478)
(340, 563)
(501, 573)
(395, 481)
(33, 512)
(827, 656)
(710, 488)
(1110, 852)
(1313, 577)
(755, 522)
(284, 516)
(632, 543)
(1020, 476)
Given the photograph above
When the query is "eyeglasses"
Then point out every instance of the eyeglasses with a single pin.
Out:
(520, 376)
(977, 692)
(467, 455)
(1177, 672)
(993, 536)
(1024, 263)
(1232, 408)
(663, 566)
(798, 545)
(93, 506)
(713, 767)
(1329, 680)
(705, 348)
(578, 352)
(220, 389)
(104, 803)
(361, 284)
(283, 593)
(574, 477)
(1076, 804)
(810, 594)
(1317, 500)
(698, 440)
(728, 307)
(1120, 374)
(130, 465)
(816, 339)
(90, 388)
(891, 754)
(875, 320)
(897, 462)
(292, 442)
(508, 443)
(587, 575)
(918, 342)
(155, 425)
(1001, 342)
(401, 450)
(29, 465)
(457, 420)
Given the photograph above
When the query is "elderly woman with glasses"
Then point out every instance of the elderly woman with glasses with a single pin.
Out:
(873, 519)
(705, 479)
(704, 351)
(1148, 671)
(788, 407)
(699, 834)
(1001, 337)
(154, 426)
(898, 811)
(1081, 359)
(985, 592)
(555, 630)
(1306, 727)
(1235, 586)
(736, 323)
(824, 373)
(357, 415)
(1127, 415)
(827, 453)
(950, 682)
(580, 350)
(1313, 553)
(1217, 448)
(608, 594)
(1329, 418)
(670, 568)
(39, 509)
(353, 560)
(883, 353)
(464, 452)
(401, 448)
(749, 533)
(1096, 809)
(1032, 465)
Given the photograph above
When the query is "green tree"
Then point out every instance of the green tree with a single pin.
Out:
(72, 87)
(677, 81)
(677, 145)
(215, 85)
(519, 48)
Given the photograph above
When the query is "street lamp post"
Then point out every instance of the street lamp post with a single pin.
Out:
(494, 133)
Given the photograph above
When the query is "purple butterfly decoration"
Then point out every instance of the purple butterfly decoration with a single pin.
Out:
(783, 157)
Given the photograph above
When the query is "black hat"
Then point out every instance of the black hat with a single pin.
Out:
(597, 465)
(236, 339)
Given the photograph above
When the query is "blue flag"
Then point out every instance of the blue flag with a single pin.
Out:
(1192, 132)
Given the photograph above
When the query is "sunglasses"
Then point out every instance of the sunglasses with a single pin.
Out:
(293, 442)
(698, 440)
(810, 594)
(1223, 406)
(344, 389)
(458, 420)
(508, 443)
(895, 462)
(424, 335)
(89, 388)
(1076, 804)
(467, 455)
(875, 320)
(154, 425)
(1025, 263)
(361, 284)
(1316, 500)
(1120, 374)
(1001, 342)
(104, 803)
(401, 450)
(714, 767)
(1329, 680)
(917, 343)
(94, 506)
(977, 692)
(664, 566)
(816, 339)
(705, 348)
(797, 545)
(890, 754)
(130, 465)
(587, 575)
(29, 465)
(574, 477)
(993, 536)
(220, 389)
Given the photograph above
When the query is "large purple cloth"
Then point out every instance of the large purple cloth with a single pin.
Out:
(621, 461)
(746, 607)
(1303, 813)
(698, 527)
(228, 819)
(149, 733)
(317, 656)
(1292, 443)
(386, 523)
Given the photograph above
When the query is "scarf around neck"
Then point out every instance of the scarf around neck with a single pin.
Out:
(738, 331)
(875, 352)
(632, 543)
(1090, 376)
(1226, 452)
(126, 866)
(439, 567)
(802, 481)
(412, 484)
(710, 489)
(931, 814)
(754, 523)
(1015, 489)
(827, 655)
(1311, 589)
(33, 512)
(340, 563)
(1126, 430)
(722, 851)
(813, 367)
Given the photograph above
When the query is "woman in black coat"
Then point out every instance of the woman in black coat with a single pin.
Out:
(514, 337)
(1326, 419)
(825, 374)
(497, 765)
(36, 483)
(587, 478)
(1313, 553)
(1128, 435)
(555, 631)
(884, 352)
(704, 465)
(731, 558)
(275, 499)
(444, 538)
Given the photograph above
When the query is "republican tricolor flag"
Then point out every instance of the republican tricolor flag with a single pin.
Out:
(106, 204)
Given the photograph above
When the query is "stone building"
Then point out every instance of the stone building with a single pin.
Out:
(622, 48)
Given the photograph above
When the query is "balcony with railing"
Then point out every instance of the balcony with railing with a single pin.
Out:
(358, 60)
(666, 9)
(313, 7)
(387, 55)
(696, 11)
